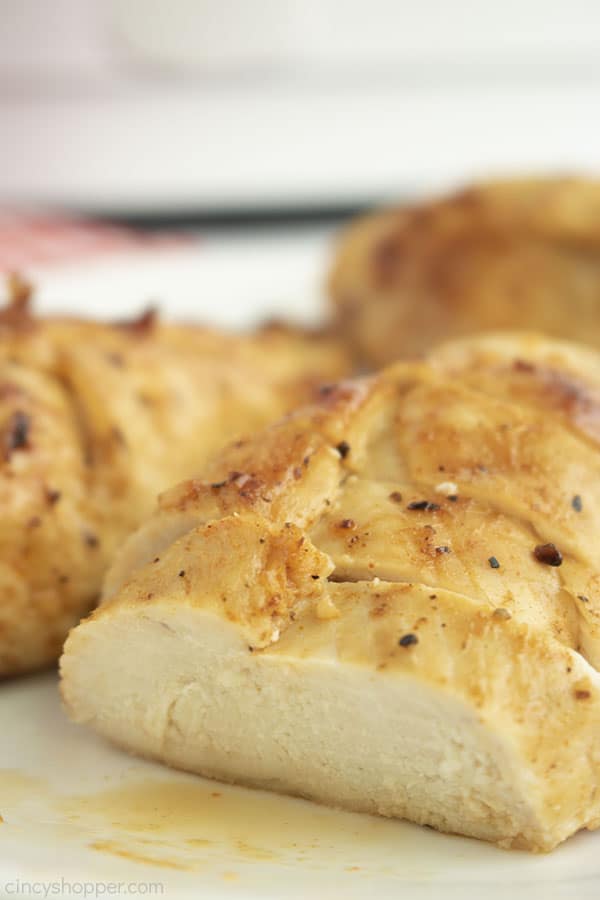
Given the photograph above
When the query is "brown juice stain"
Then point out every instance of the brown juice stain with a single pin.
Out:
(192, 817)
(114, 848)
(183, 822)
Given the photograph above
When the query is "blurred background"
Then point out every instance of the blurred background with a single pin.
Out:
(255, 127)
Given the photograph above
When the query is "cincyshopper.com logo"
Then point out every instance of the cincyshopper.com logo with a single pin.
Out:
(64, 888)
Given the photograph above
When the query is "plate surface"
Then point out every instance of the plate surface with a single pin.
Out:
(83, 819)
(76, 811)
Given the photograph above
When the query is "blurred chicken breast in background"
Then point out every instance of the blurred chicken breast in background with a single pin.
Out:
(502, 255)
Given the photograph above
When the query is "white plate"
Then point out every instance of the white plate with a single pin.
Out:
(83, 819)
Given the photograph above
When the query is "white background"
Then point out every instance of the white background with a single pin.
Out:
(195, 104)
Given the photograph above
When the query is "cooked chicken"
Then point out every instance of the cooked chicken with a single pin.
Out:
(513, 254)
(389, 601)
(94, 421)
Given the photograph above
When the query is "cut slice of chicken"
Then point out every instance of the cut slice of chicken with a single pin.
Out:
(95, 420)
(507, 254)
(388, 601)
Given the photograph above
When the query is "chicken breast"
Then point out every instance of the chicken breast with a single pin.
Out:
(95, 420)
(507, 254)
(388, 601)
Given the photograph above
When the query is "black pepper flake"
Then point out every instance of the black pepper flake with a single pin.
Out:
(423, 505)
(157, 559)
(501, 613)
(52, 496)
(218, 484)
(442, 549)
(326, 389)
(17, 434)
(91, 539)
(408, 640)
(452, 497)
(315, 577)
(582, 695)
(343, 448)
(548, 554)
(347, 523)
(576, 503)
(521, 365)
(182, 573)
(494, 562)
(583, 598)
(396, 496)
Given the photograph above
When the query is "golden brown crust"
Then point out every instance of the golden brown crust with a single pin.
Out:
(419, 475)
(94, 421)
(508, 254)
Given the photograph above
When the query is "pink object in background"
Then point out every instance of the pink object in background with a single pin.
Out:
(40, 240)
